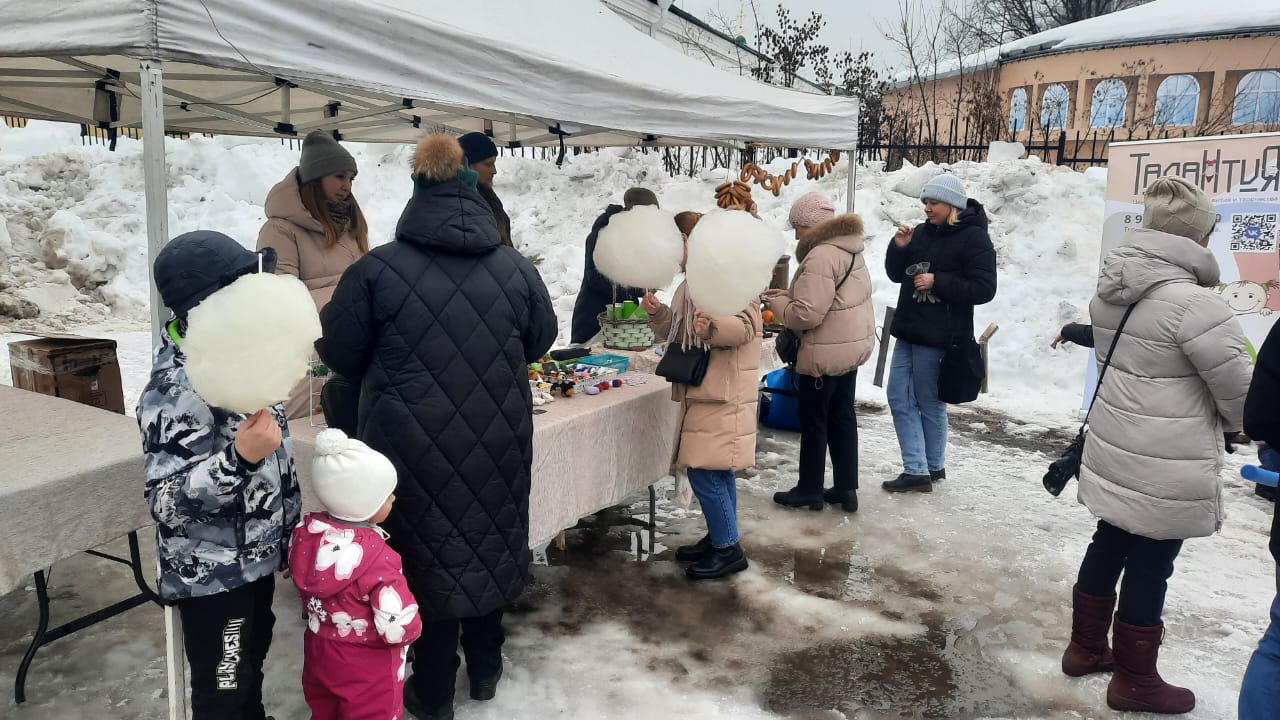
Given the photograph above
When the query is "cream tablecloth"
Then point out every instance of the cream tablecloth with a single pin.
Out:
(70, 480)
(589, 452)
(71, 475)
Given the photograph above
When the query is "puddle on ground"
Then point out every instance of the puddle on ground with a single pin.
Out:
(708, 634)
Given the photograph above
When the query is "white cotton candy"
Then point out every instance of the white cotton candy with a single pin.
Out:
(248, 344)
(640, 247)
(731, 260)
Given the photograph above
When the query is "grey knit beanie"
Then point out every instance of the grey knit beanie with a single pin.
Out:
(321, 156)
(945, 188)
(1177, 207)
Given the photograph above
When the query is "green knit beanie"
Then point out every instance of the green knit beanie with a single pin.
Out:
(321, 156)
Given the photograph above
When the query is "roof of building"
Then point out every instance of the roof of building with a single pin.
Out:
(1155, 22)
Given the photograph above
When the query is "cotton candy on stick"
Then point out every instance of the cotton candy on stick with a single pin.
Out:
(731, 260)
(248, 344)
(640, 247)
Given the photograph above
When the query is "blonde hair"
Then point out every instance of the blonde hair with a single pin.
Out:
(313, 199)
(953, 217)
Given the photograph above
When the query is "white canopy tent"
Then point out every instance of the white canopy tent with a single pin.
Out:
(528, 73)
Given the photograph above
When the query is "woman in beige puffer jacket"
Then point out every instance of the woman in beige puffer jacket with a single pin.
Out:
(829, 308)
(1176, 380)
(717, 433)
(317, 229)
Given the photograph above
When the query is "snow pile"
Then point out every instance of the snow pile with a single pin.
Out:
(74, 218)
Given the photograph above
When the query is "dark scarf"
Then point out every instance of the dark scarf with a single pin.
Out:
(342, 213)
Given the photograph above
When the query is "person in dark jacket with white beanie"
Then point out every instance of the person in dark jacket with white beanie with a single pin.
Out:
(1152, 461)
(945, 266)
(438, 327)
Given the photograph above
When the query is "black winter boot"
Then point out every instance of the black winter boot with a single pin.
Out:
(718, 563)
(797, 499)
(936, 475)
(694, 552)
(908, 483)
(414, 707)
(487, 688)
(846, 499)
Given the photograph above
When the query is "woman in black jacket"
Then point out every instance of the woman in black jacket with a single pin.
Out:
(438, 327)
(945, 266)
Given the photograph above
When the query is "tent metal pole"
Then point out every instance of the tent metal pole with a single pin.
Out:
(155, 181)
(155, 175)
(853, 179)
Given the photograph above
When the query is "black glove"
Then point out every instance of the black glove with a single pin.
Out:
(1229, 439)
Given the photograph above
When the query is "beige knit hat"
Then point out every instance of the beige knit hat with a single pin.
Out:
(1177, 207)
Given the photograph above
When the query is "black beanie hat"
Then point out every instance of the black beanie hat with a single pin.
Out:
(321, 156)
(477, 146)
(195, 265)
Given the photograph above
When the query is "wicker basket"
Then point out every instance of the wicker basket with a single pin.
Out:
(631, 334)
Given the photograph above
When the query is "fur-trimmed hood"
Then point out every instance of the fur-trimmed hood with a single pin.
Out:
(844, 231)
(437, 157)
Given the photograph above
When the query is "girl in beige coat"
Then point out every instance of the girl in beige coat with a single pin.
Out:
(317, 229)
(718, 418)
(829, 306)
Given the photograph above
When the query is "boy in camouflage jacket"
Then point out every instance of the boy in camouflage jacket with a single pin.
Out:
(222, 490)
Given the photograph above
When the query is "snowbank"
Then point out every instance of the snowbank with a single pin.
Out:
(72, 225)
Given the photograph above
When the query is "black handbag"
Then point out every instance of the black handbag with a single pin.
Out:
(1067, 466)
(340, 401)
(962, 371)
(787, 344)
(687, 366)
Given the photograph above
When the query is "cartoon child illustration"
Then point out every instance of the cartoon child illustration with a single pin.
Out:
(1246, 297)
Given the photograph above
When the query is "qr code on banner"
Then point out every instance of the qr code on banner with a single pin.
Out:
(1254, 233)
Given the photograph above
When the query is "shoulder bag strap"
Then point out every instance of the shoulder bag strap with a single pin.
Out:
(1110, 353)
(853, 260)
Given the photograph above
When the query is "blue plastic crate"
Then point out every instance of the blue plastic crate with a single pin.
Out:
(616, 362)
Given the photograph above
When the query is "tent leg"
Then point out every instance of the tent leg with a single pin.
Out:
(853, 179)
(155, 173)
(155, 176)
(175, 658)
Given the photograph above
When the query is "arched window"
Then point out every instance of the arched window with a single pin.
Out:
(1018, 110)
(1176, 100)
(1054, 105)
(1258, 99)
(1107, 108)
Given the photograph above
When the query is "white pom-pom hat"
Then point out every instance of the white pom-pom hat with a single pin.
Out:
(351, 479)
(640, 247)
(731, 260)
(243, 359)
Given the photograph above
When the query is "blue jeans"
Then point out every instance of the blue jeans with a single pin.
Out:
(1260, 691)
(717, 492)
(1269, 458)
(919, 417)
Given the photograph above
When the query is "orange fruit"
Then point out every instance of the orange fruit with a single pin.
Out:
(767, 315)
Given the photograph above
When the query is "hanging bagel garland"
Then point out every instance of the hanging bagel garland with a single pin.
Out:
(774, 183)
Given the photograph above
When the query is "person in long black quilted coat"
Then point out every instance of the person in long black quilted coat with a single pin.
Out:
(439, 326)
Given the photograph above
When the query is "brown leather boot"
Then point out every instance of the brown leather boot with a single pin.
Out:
(1088, 652)
(1136, 686)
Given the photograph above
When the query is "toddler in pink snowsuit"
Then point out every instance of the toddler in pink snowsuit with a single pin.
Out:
(361, 617)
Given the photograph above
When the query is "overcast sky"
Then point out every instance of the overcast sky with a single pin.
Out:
(852, 25)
